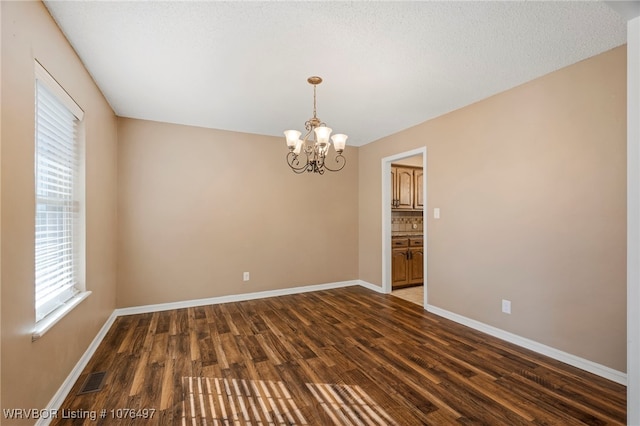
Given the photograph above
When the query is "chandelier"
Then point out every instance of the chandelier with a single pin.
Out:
(309, 154)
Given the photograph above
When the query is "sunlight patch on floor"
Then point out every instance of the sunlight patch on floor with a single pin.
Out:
(221, 401)
(349, 405)
(215, 401)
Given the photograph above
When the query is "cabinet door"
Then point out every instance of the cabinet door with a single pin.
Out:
(399, 267)
(416, 269)
(404, 179)
(417, 185)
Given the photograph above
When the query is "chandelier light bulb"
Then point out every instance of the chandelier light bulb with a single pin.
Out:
(322, 134)
(339, 141)
(292, 137)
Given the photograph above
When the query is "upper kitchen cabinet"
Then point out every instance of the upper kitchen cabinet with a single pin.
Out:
(418, 198)
(406, 188)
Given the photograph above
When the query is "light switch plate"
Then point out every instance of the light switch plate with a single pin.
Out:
(436, 213)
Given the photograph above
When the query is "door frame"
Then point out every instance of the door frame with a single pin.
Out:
(386, 215)
(633, 220)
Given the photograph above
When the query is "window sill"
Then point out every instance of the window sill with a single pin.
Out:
(52, 319)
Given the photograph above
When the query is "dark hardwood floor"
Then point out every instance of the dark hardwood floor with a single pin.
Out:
(344, 356)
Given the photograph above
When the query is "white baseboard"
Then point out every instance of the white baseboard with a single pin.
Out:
(567, 358)
(71, 379)
(370, 286)
(231, 298)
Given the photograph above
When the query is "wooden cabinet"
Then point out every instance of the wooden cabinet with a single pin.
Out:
(399, 262)
(406, 188)
(407, 261)
(416, 265)
(418, 197)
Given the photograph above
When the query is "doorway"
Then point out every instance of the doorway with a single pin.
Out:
(420, 156)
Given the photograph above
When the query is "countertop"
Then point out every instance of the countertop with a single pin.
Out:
(407, 234)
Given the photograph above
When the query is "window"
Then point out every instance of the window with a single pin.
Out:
(59, 183)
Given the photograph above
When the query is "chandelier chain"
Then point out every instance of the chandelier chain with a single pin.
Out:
(314, 100)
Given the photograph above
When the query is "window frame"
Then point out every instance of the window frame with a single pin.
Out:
(77, 293)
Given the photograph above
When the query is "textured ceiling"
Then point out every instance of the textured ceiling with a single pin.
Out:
(386, 65)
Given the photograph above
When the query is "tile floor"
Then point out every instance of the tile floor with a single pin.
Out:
(412, 294)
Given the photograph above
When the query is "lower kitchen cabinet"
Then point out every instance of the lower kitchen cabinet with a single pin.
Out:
(399, 268)
(407, 262)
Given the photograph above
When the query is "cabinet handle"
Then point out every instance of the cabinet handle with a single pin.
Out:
(409, 255)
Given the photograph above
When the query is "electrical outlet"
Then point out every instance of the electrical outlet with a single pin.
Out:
(506, 306)
(245, 276)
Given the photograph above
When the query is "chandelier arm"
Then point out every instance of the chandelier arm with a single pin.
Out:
(292, 161)
(311, 124)
(341, 160)
(306, 145)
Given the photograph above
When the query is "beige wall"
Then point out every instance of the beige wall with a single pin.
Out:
(531, 184)
(198, 207)
(33, 371)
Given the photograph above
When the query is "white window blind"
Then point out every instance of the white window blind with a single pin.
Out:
(57, 165)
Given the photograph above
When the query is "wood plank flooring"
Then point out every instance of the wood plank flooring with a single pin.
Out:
(343, 356)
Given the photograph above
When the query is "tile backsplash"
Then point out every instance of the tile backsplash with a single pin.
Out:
(405, 221)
